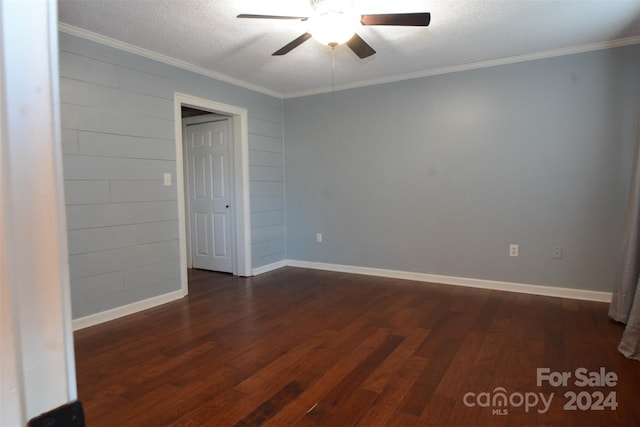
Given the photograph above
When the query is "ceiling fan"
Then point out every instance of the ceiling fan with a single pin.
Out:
(333, 22)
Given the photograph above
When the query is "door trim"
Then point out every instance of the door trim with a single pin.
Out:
(240, 129)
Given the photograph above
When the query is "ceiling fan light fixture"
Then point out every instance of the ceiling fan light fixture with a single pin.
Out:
(333, 22)
(333, 28)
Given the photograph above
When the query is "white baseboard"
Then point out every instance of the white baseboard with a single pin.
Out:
(580, 294)
(269, 267)
(115, 313)
(524, 288)
(125, 310)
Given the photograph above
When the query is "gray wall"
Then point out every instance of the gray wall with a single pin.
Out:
(118, 140)
(439, 175)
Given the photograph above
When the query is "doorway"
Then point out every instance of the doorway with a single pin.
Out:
(237, 222)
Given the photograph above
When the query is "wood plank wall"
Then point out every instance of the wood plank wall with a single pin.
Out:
(118, 139)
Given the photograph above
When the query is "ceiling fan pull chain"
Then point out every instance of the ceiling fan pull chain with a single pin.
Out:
(333, 66)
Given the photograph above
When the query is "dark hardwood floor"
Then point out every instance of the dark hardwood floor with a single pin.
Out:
(312, 348)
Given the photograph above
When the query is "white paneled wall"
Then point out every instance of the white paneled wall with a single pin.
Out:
(266, 174)
(118, 140)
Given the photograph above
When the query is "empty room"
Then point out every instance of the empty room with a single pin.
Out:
(320, 213)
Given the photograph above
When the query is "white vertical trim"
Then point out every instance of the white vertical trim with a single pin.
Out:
(182, 227)
(34, 235)
(242, 232)
(243, 221)
(13, 411)
(63, 244)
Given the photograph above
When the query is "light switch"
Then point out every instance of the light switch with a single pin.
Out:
(167, 180)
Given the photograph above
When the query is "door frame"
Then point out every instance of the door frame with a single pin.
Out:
(240, 186)
(207, 118)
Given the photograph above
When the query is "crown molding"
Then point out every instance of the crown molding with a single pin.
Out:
(104, 40)
(475, 65)
(117, 44)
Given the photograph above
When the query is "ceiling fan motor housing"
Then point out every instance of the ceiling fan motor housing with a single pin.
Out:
(332, 22)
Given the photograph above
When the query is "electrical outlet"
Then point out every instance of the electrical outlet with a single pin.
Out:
(513, 250)
(167, 179)
(318, 237)
(557, 253)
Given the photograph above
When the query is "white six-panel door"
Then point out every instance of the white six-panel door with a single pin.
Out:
(210, 196)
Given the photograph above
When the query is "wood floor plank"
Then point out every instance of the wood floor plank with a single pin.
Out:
(317, 348)
(271, 406)
(337, 377)
(325, 413)
(379, 378)
(394, 392)
(209, 412)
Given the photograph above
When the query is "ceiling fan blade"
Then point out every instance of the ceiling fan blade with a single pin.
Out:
(360, 47)
(294, 44)
(400, 19)
(250, 16)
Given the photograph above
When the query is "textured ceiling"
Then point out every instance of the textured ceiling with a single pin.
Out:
(207, 34)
